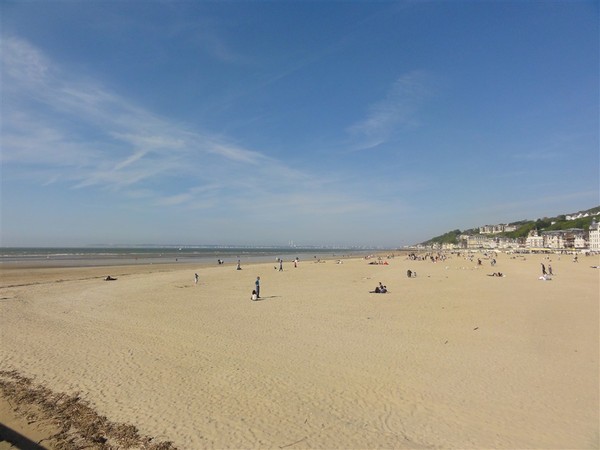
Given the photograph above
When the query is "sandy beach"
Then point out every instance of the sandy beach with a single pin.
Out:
(452, 358)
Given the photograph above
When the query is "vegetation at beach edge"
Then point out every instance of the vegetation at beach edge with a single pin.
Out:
(559, 222)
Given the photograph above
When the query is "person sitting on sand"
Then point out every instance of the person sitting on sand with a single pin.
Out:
(254, 296)
(409, 273)
(381, 289)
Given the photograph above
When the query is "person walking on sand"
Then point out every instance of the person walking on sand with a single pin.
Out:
(550, 269)
(257, 285)
(280, 265)
(543, 269)
(195, 278)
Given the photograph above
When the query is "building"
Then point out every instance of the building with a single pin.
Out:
(495, 229)
(594, 237)
(570, 239)
(534, 240)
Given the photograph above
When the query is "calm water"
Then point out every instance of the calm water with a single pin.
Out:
(87, 256)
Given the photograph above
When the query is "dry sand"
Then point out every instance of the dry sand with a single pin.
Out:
(450, 359)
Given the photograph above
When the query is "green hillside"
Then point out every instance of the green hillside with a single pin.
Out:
(525, 226)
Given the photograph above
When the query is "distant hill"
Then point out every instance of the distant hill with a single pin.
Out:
(525, 226)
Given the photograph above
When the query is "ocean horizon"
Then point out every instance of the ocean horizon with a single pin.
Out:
(126, 255)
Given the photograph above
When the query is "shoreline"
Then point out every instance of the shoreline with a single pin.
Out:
(39, 273)
(107, 257)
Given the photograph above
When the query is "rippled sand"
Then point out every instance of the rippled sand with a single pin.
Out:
(452, 358)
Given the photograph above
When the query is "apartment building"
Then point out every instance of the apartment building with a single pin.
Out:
(495, 229)
(594, 237)
(570, 239)
(534, 240)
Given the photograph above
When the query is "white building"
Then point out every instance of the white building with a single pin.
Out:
(534, 240)
(449, 246)
(570, 239)
(594, 237)
(476, 241)
(495, 229)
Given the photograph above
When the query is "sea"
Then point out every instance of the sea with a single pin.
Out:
(110, 256)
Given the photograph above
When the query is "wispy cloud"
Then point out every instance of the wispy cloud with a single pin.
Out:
(58, 120)
(395, 113)
(65, 128)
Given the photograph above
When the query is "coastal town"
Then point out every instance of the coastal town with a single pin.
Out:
(490, 237)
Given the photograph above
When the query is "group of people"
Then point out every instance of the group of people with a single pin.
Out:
(379, 262)
(256, 292)
(381, 289)
(427, 257)
(544, 272)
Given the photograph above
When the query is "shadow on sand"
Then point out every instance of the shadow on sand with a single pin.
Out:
(260, 299)
(18, 440)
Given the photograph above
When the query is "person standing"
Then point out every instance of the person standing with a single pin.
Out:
(257, 287)
(280, 265)
(543, 269)
(195, 278)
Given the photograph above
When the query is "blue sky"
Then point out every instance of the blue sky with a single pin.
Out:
(325, 123)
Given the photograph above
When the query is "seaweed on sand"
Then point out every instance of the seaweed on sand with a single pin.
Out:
(79, 425)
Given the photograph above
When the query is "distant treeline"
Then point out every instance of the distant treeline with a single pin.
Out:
(525, 226)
